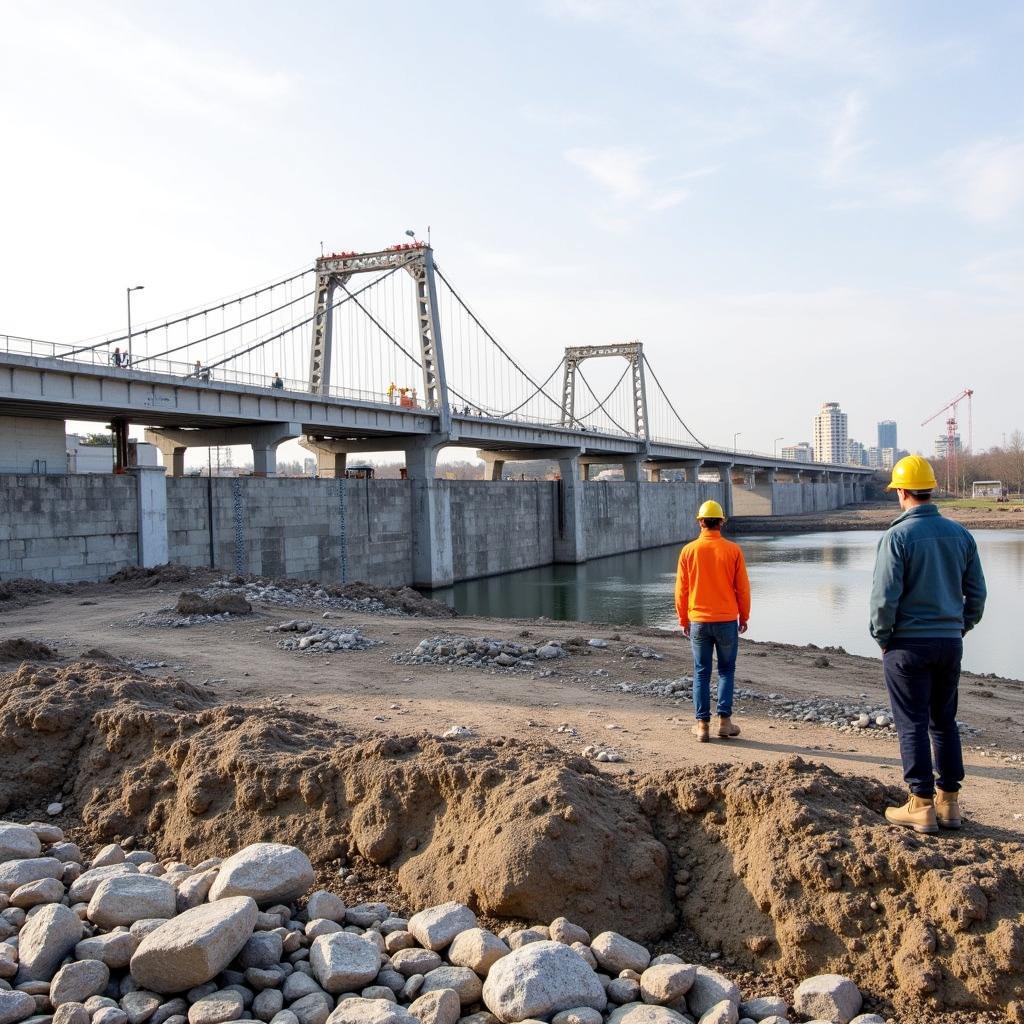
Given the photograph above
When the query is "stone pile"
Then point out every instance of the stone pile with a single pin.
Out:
(480, 652)
(321, 639)
(126, 939)
(301, 595)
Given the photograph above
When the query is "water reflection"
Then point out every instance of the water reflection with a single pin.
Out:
(807, 588)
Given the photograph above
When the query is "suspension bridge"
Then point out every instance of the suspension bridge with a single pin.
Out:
(363, 352)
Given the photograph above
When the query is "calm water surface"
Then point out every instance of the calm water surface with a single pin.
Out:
(807, 588)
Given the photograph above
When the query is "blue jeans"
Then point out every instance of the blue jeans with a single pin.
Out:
(922, 677)
(722, 638)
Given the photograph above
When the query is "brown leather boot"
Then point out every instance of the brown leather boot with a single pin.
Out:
(917, 813)
(702, 730)
(726, 729)
(947, 808)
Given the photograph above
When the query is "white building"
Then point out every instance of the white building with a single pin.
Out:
(830, 437)
(856, 453)
(942, 446)
(94, 458)
(802, 452)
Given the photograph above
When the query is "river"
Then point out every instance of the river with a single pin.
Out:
(807, 588)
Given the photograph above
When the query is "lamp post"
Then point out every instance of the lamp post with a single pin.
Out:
(734, 439)
(128, 296)
(775, 446)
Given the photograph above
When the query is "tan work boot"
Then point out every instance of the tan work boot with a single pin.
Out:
(702, 730)
(947, 808)
(917, 813)
(726, 729)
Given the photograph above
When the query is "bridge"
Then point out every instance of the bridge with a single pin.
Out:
(377, 351)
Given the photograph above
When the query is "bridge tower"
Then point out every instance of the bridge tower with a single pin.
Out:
(333, 272)
(633, 353)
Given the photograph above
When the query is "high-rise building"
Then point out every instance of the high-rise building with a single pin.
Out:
(801, 452)
(942, 446)
(887, 435)
(856, 453)
(830, 440)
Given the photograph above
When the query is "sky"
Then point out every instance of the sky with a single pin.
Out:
(787, 202)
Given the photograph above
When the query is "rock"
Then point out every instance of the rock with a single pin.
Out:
(365, 914)
(267, 1003)
(54, 809)
(71, 1013)
(312, 1009)
(125, 899)
(195, 946)
(549, 651)
(216, 1008)
(297, 985)
(16, 873)
(623, 990)
(415, 961)
(867, 1018)
(435, 927)
(563, 930)
(378, 992)
(110, 854)
(46, 890)
(665, 983)
(343, 962)
(75, 982)
(141, 1005)
(642, 1013)
(194, 889)
(321, 926)
(540, 979)
(370, 1011)
(828, 995)
(69, 853)
(478, 949)
(263, 949)
(17, 842)
(110, 1015)
(325, 905)
(724, 1012)
(463, 981)
(437, 1007)
(47, 937)
(710, 988)
(260, 978)
(764, 1006)
(614, 952)
(521, 936)
(84, 887)
(15, 1006)
(113, 948)
(578, 1015)
(267, 872)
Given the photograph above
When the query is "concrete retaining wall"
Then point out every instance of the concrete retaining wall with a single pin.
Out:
(67, 528)
(29, 445)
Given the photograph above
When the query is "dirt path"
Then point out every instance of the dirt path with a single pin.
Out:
(238, 661)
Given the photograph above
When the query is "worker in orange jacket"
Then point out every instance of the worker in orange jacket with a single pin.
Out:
(713, 604)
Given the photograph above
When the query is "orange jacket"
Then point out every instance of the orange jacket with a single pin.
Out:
(711, 581)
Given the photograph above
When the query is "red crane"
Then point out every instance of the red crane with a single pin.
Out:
(952, 479)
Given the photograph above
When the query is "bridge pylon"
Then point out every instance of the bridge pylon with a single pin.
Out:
(633, 353)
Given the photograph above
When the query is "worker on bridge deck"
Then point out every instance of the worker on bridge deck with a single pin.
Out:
(928, 591)
(713, 604)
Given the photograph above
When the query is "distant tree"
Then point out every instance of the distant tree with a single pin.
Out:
(97, 441)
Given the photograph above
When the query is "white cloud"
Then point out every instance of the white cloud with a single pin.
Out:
(845, 142)
(986, 179)
(1000, 271)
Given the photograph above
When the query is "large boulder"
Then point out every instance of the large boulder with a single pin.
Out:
(17, 842)
(125, 899)
(267, 872)
(540, 979)
(830, 996)
(47, 937)
(16, 873)
(343, 962)
(194, 947)
(85, 885)
(435, 927)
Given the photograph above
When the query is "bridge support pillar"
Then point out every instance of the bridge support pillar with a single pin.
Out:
(494, 466)
(151, 498)
(173, 453)
(725, 478)
(654, 474)
(331, 456)
(432, 559)
(570, 537)
(264, 441)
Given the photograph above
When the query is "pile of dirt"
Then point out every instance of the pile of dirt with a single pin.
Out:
(157, 576)
(21, 649)
(23, 593)
(191, 603)
(791, 871)
(404, 599)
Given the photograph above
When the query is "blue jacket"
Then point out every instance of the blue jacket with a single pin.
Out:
(928, 580)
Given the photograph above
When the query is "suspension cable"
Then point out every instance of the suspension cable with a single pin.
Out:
(601, 405)
(671, 406)
(614, 388)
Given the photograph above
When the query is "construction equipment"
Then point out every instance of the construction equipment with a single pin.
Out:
(952, 436)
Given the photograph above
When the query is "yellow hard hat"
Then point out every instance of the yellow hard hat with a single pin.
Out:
(912, 474)
(710, 510)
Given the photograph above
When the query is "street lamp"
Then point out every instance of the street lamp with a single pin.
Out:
(734, 438)
(128, 295)
(775, 446)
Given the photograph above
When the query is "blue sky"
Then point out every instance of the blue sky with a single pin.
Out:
(788, 202)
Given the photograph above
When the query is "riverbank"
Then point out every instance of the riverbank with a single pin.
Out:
(877, 516)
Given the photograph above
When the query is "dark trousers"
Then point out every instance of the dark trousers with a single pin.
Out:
(922, 676)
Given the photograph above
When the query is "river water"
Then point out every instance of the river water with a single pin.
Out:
(807, 588)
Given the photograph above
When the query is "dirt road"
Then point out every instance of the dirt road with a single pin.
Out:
(239, 661)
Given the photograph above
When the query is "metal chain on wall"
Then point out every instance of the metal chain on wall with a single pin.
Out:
(343, 528)
(237, 515)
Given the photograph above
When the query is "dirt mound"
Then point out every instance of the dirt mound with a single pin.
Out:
(797, 865)
(22, 593)
(21, 649)
(791, 870)
(191, 603)
(156, 576)
(405, 599)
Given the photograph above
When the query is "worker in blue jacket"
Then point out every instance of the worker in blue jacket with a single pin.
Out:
(928, 591)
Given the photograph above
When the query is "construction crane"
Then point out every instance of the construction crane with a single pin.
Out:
(952, 479)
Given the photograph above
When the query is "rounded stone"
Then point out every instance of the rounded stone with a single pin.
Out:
(75, 982)
(370, 1011)
(463, 981)
(343, 962)
(665, 983)
(615, 953)
(642, 1013)
(435, 927)
(478, 949)
(438, 1007)
(125, 899)
(710, 988)
(46, 890)
(266, 872)
(828, 995)
(47, 937)
(71, 1013)
(17, 842)
(216, 1008)
(15, 1006)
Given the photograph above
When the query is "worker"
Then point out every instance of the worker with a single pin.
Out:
(117, 359)
(201, 372)
(928, 591)
(277, 382)
(391, 393)
(713, 604)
